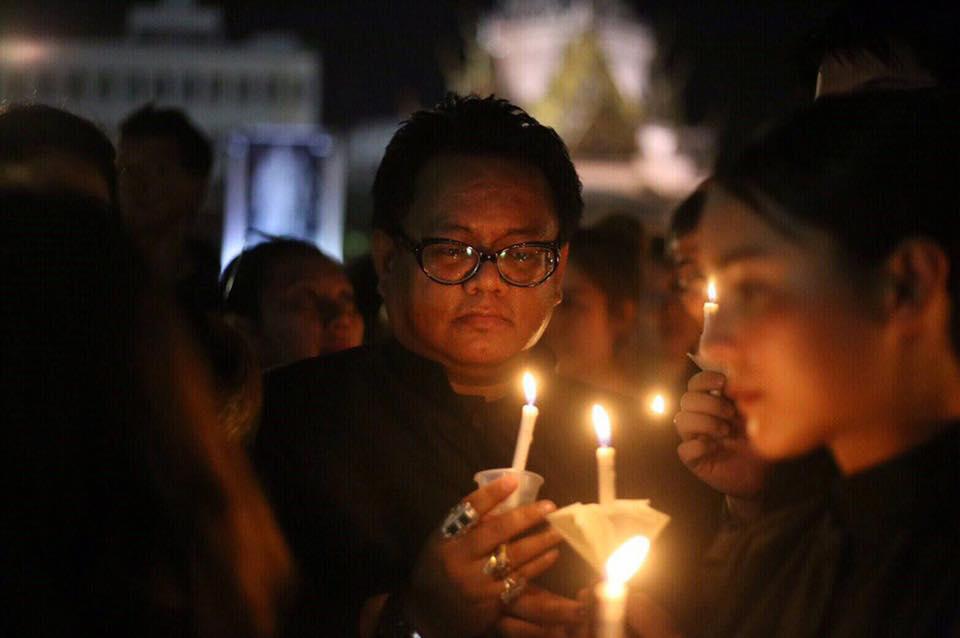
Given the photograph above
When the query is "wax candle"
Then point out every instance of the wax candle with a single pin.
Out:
(622, 564)
(606, 458)
(710, 308)
(528, 419)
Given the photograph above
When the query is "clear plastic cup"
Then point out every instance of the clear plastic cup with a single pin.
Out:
(528, 485)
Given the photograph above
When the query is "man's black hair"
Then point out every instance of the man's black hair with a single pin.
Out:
(28, 131)
(196, 152)
(473, 126)
(249, 273)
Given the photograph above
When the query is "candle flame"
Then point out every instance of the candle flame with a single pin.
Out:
(627, 559)
(601, 423)
(712, 290)
(529, 388)
(658, 404)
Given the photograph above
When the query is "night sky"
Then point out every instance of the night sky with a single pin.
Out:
(381, 57)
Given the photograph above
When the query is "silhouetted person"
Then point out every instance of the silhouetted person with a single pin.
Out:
(126, 510)
(47, 149)
(164, 164)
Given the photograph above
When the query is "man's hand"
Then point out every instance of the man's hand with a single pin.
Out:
(450, 594)
(715, 446)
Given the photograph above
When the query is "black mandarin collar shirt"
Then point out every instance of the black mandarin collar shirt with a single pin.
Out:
(878, 555)
(363, 453)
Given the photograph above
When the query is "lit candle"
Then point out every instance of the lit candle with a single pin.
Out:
(606, 458)
(710, 308)
(528, 419)
(658, 405)
(612, 592)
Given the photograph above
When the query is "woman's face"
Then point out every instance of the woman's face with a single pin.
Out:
(803, 350)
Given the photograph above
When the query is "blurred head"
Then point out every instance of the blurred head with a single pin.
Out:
(689, 279)
(292, 300)
(48, 149)
(164, 164)
(883, 44)
(483, 173)
(834, 239)
(129, 511)
(601, 293)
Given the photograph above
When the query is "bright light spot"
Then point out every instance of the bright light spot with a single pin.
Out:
(601, 423)
(712, 291)
(658, 404)
(627, 559)
(23, 52)
(529, 388)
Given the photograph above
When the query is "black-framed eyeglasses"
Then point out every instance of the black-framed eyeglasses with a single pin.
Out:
(451, 262)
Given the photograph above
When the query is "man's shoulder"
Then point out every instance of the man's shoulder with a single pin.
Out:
(566, 391)
(318, 384)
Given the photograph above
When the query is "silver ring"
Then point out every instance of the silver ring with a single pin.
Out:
(512, 587)
(461, 518)
(498, 565)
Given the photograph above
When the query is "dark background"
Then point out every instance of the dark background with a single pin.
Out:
(737, 60)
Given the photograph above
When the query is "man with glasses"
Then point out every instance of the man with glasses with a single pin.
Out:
(363, 452)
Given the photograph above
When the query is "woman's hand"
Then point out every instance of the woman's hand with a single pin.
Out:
(714, 444)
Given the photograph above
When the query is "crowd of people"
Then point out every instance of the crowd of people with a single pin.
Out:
(252, 453)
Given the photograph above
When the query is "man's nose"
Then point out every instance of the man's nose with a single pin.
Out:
(487, 279)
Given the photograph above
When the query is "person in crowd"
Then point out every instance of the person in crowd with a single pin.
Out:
(49, 149)
(834, 239)
(164, 163)
(362, 452)
(291, 301)
(593, 332)
(126, 510)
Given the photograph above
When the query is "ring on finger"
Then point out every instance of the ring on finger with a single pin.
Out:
(498, 564)
(461, 518)
(512, 587)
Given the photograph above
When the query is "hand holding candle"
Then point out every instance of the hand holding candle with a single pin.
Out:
(606, 458)
(528, 420)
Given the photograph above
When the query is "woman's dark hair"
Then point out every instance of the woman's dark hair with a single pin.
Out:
(686, 217)
(250, 273)
(127, 512)
(609, 254)
(872, 170)
(473, 126)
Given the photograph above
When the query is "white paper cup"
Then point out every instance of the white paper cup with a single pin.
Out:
(528, 485)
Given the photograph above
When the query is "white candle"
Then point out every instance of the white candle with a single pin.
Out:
(612, 592)
(710, 308)
(606, 458)
(528, 419)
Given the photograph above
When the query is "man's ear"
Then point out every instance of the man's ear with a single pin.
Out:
(917, 273)
(557, 278)
(383, 249)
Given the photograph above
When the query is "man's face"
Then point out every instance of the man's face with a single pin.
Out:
(489, 203)
(307, 310)
(154, 189)
(689, 280)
